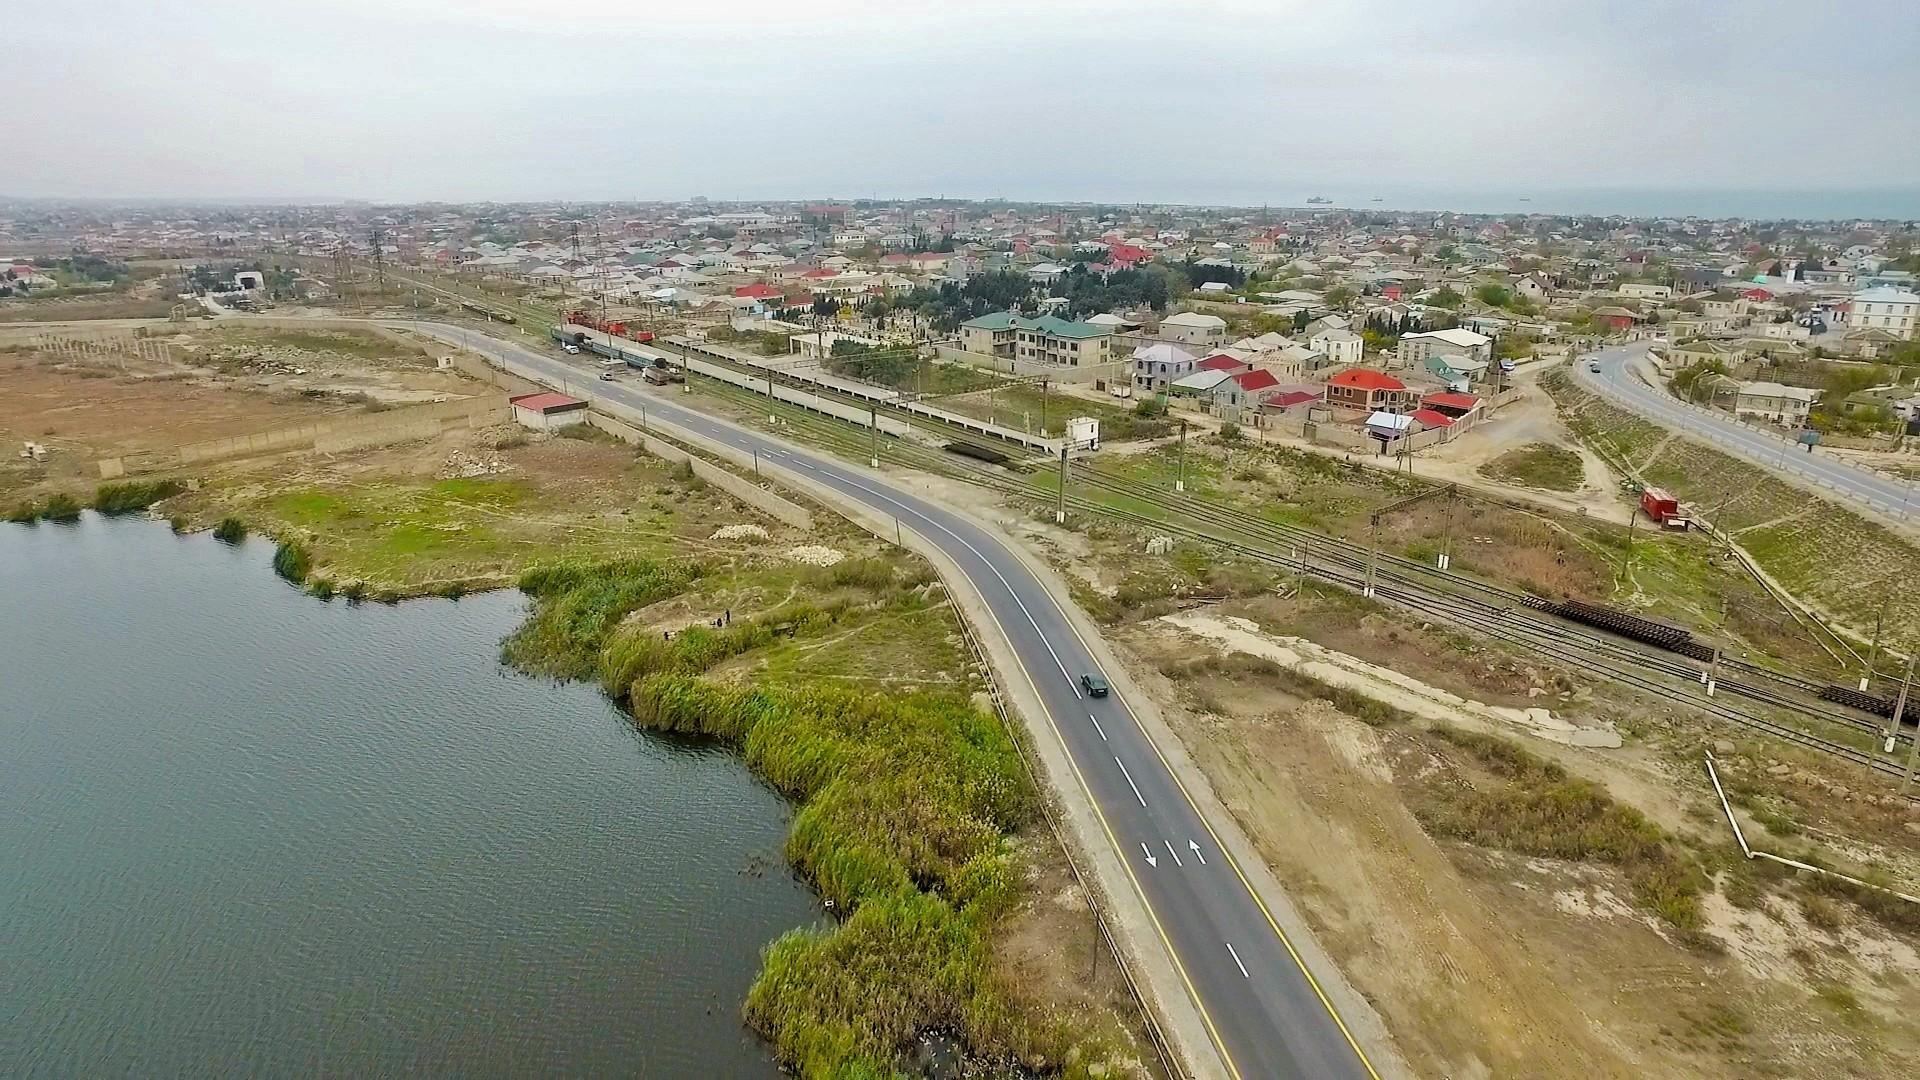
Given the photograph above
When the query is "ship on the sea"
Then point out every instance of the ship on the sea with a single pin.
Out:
(1319, 200)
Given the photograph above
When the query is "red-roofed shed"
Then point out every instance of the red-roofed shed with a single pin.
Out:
(1432, 418)
(1223, 362)
(1451, 403)
(546, 411)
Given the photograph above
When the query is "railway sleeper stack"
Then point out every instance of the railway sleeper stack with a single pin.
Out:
(1865, 702)
(1613, 620)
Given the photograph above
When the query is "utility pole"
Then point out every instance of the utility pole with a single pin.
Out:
(1045, 384)
(1626, 556)
(1899, 711)
(1373, 550)
(1453, 519)
(1879, 621)
(1180, 477)
(1060, 498)
(873, 425)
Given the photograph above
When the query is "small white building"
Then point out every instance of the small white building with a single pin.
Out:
(548, 411)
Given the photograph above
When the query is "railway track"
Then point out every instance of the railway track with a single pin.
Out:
(1465, 602)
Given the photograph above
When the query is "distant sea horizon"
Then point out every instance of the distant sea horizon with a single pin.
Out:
(1882, 204)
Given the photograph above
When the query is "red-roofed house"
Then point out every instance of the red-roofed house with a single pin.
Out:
(1288, 403)
(759, 290)
(1432, 418)
(1124, 255)
(820, 274)
(1757, 295)
(1245, 388)
(1365, 388)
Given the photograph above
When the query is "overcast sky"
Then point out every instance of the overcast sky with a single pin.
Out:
(1242, 101)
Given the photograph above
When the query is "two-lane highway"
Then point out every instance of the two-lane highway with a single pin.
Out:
(1265, 1013)
(1618, 382)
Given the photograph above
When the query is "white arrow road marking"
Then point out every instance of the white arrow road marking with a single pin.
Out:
(1196, 852)
(1236, 961)
(1175, 854)
(1130, 783)
(1097, 727)
(1151, 861)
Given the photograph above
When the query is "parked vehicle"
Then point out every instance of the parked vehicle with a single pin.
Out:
(606, 376)
(661, 374)
(1660, 506)
(1593, 366)
(572, 350)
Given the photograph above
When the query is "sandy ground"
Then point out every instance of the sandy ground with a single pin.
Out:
(1487, 964)
(219, 383)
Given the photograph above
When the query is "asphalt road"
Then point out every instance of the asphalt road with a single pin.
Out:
(1264, 1012)
(1619, 384)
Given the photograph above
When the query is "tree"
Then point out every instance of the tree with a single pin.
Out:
(1494, 295)
(1446, 298)
(1339, 296)
(891, 367)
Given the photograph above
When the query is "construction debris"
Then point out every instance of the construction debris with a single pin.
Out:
(816, 555)
(740, 532)
(463, 464)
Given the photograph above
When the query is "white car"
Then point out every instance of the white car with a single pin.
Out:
(571, 349)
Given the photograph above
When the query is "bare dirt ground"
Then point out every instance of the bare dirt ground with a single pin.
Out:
(214, 381)
(1488, 962)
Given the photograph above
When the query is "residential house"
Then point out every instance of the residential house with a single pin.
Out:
(1775, 403)
(1340, 345)
(1061, 342)
(1243, 389)
(1042, 340)
(1155, 367)
(1369, 390)
(1724, 307)
(1897, 311)
(1194, 328)
(1640, 291)
(1617, 319)
(1464, 344)
(1531, 287)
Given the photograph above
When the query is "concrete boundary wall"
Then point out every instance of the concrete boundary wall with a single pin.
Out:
(768, 503)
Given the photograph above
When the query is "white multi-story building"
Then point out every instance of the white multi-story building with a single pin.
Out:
(1895, 311)
(1342, 347)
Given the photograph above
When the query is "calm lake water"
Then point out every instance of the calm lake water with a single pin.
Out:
(243, 832)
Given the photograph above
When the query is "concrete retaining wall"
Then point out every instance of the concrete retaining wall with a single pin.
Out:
(753, 495)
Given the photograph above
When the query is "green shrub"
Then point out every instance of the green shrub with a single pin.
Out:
(290, 561)
(25, 513)
(231, 530)
(61, 507)
(905, 805)
(321, 588)
(1533, 807)
(579, 603)
(132, 495)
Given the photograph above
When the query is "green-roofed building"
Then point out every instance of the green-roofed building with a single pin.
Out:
(1042, 340)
